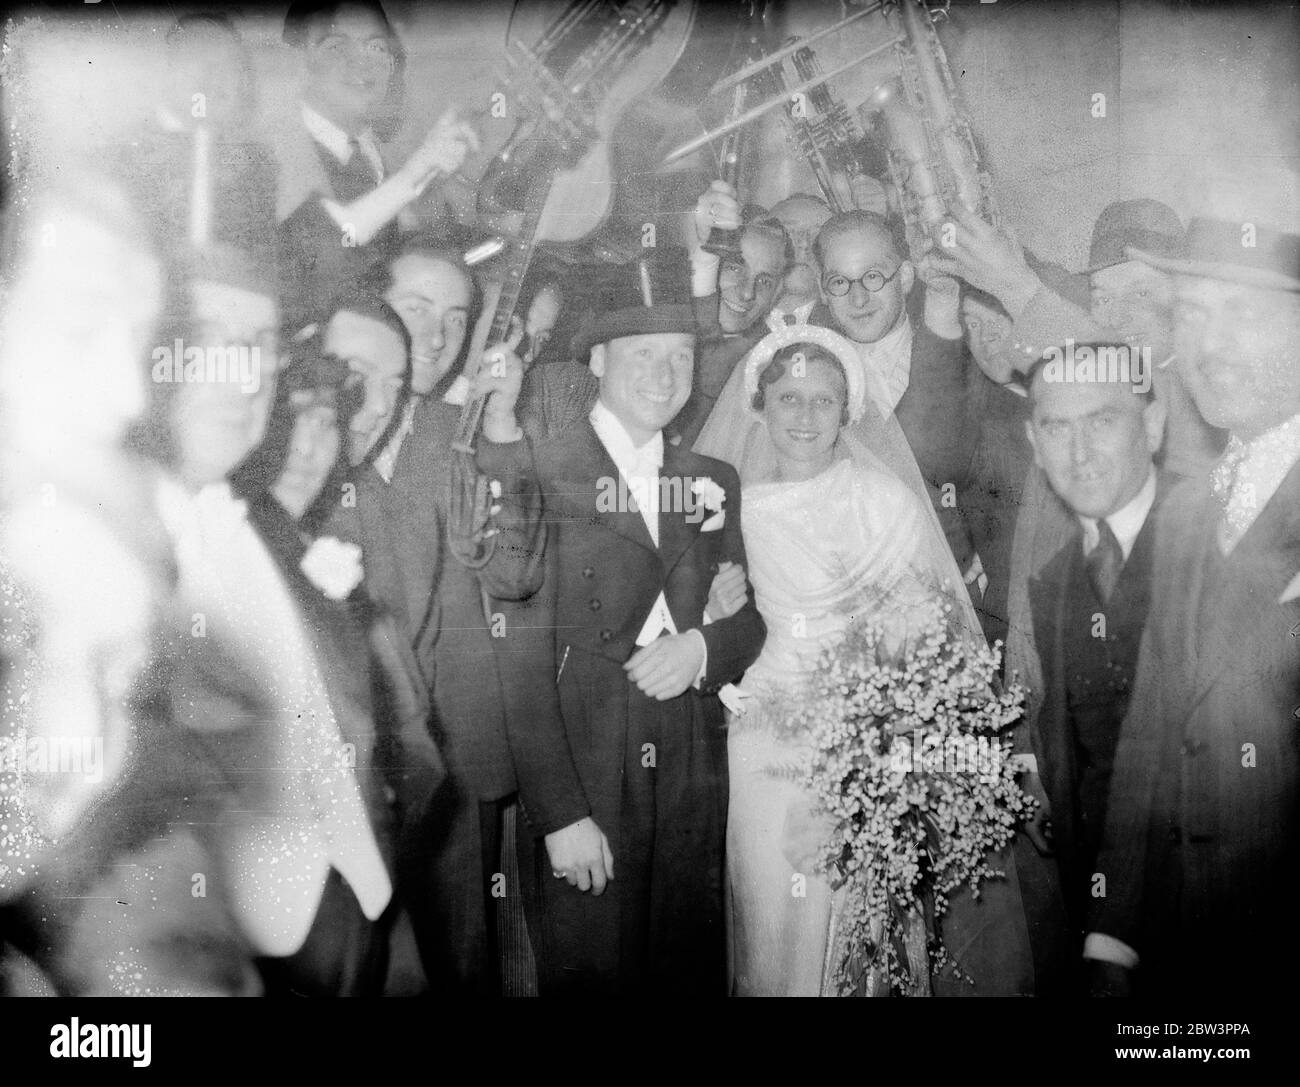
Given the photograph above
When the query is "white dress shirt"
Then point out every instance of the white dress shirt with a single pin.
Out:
(338, 143)
(887, 364)
(1248, 476)
(1126, 522)
(316, 817)
(640, 467)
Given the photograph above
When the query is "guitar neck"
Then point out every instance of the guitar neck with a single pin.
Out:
(516, 266)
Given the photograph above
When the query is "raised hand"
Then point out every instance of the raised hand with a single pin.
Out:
(444, 149)
(667, 666)
(728, 593)
(717, 206)
(580, 854)
(500, 379)
(987, 258)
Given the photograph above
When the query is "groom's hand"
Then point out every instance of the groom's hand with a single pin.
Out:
(580, 853)
(667, 666)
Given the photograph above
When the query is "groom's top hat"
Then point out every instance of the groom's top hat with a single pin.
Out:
(643, 297)
(1237, 252)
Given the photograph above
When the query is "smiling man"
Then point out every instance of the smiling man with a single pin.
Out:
(338, 198)
(1095, 441)
(914, 359)
(373, 343)
(622, 771)
(1201, 835)
(453, 639)
(732, 296)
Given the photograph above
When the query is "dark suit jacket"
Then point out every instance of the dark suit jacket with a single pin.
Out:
(716, 356)
(381, 703)
(438, 603)
(1000, 461)
(603, 575)
(1053, 738)
(555, 395)
(1200, 850)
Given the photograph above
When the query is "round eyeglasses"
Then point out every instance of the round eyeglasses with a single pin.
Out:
(872, 281)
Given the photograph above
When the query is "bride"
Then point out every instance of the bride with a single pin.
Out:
(830, 532)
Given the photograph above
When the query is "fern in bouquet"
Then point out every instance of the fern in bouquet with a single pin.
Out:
(909, 758)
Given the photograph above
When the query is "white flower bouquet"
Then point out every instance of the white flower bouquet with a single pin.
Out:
(909, 758)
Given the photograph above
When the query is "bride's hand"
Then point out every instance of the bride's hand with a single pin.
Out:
(728, 593)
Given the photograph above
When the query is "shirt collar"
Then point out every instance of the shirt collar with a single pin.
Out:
(1126, 522)
(629, 458)
(326, 133)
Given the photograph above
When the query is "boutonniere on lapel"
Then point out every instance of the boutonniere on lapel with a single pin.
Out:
(710, 496)
(333, 566)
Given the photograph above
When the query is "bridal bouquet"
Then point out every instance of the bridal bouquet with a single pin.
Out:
(910, 760)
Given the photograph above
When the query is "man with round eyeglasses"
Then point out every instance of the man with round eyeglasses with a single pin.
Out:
(911, 344)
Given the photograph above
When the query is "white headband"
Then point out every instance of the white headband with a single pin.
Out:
(838, 346)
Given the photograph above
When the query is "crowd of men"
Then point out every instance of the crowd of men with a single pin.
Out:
(321, 691)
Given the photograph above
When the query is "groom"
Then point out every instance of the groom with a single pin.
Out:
(622, 767)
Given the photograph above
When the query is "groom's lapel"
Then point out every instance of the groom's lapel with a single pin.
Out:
(680, 513)
(590, 489)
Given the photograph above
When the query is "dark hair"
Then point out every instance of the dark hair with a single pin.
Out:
(307, 370)
(378, 277)
(764, 222)
(774, 371)
(853, 222)
(304, 14)
(1049, 356)
(364, 303)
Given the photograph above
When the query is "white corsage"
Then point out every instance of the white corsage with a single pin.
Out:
(333, 566)
(711, 496)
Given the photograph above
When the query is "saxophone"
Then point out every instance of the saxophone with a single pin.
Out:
(933, 161)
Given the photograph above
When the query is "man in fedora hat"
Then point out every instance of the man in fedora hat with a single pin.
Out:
(1131, 302)
(622, 766)
(1199, 857)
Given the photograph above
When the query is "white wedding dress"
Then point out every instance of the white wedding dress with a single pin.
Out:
(861, 536)
(822, 553)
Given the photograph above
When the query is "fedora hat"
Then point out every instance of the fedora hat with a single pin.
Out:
(1217, 249)
(1148, 225)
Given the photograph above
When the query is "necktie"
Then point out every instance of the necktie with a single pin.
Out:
(354, 178)
(1105, 561)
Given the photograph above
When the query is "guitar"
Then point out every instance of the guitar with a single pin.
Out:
(571, 87)
(556, 165)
